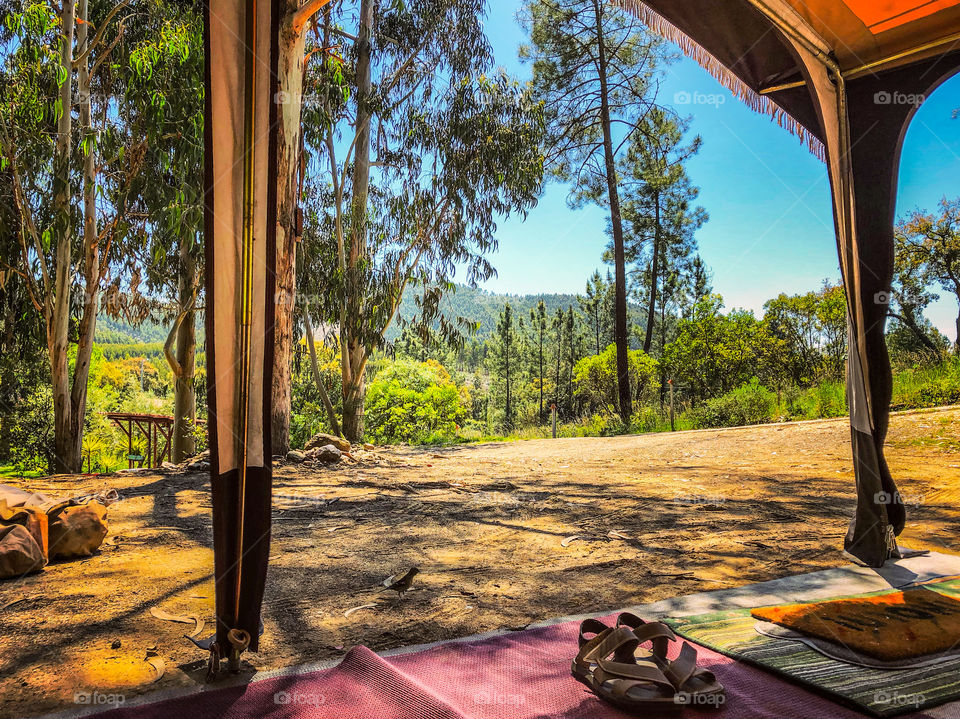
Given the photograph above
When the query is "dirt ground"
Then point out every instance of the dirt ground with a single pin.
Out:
(489, 526)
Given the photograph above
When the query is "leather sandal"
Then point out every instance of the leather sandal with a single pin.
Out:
(622, 681)
(694, 685)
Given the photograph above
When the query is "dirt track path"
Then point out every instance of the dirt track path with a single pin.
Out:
(486, 524)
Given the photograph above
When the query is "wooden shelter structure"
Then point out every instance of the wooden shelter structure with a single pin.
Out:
(156, 429)
(838, 73)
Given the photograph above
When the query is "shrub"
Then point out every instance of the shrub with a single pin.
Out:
(751, 403)
(927, 385)
(596, 377)
(415, 402)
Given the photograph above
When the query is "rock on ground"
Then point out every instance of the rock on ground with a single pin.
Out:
(322, 440)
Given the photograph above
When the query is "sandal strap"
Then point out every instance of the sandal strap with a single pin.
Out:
(683, 667)
(590, 626)
(619, 642)
(643, 671)
(629, 675)
(657, 633)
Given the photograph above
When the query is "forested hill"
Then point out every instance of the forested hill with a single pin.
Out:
(117, 332)
(484, 307)
(473, 304)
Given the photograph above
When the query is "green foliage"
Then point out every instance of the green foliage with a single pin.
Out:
(308, 416)
(713, 353)
(415, 402)
(929, 385)
(751, 403)
(30, 431)
(595, 378)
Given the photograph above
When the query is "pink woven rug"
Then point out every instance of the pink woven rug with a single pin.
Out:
(525, 675)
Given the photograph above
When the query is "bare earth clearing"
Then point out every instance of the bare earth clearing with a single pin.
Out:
(700, 511)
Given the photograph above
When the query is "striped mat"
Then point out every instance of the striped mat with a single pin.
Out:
(880, 692)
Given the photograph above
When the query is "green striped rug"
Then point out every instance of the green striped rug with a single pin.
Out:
(881, 692)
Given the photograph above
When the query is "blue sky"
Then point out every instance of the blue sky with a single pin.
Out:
(770, 228)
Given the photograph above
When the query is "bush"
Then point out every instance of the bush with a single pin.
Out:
(750, 404)
(415, 402)
(927, 385)
(596, 378)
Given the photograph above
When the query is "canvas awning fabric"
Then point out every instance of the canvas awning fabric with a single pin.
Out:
(846, 77)
(240, 235)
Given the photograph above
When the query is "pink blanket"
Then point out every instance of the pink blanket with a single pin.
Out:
(525, 675)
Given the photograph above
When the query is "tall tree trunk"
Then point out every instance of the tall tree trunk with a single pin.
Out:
(556, 385)
(182, 363)
(353, 352)
(654, 269)
(596, 322)
(541, 375)
(57, 305)
(570, 343)
(616, 222)
(324, 397)
(91, 248)
(508, 409)
(290, 94)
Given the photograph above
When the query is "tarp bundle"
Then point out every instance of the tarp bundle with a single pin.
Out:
(847, 77)
(240, 235)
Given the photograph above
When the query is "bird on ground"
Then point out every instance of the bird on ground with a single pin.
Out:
(402, 585)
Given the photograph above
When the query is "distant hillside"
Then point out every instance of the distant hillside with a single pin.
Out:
(117, 332)
(484, 307)
(473, 304)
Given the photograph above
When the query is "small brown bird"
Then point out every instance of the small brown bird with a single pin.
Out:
(402, 585)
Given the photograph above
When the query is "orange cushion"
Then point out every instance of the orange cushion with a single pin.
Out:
(900, 625)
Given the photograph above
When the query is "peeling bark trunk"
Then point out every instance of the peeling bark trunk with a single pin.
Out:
(353, 396)
(183, 362)
(57, 305)
(91, 250)
(290, 98)
(353, 351)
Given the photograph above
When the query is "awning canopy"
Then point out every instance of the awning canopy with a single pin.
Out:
(740, 42)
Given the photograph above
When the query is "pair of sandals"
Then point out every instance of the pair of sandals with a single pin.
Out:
(610, 665)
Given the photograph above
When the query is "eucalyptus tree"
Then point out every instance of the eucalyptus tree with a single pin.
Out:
(159, 86)
(66, 242)
(595, 67)
(421, 157)
(297, 18)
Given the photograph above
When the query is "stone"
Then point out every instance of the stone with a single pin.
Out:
(322, 440)
(328, 454)
(296, 456)
(367, 446)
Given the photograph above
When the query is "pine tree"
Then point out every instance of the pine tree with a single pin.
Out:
(557, 327)
(594, 67)
(504, 364)
(538, 322)
(591, 304)
(658, 206)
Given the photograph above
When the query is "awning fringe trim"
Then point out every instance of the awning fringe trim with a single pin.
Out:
(743, 92)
